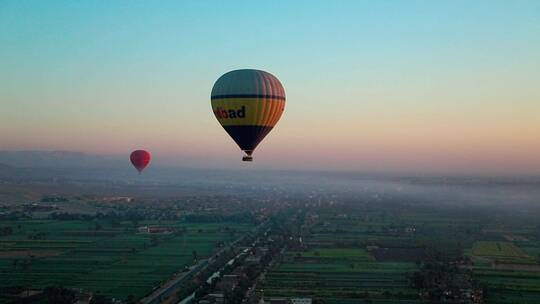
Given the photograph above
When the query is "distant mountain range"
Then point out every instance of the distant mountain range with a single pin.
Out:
(57, 159)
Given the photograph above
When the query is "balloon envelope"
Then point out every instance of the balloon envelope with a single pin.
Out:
(140, 159)
(248, 104)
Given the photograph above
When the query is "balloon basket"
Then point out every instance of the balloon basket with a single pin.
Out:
(247, 158)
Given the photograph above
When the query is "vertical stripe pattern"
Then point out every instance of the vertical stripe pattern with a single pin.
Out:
(248, 104)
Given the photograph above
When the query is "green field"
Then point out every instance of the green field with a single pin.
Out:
(340, 275)
(337, 268)
(498, 249)
(114, 260)
(511, 274)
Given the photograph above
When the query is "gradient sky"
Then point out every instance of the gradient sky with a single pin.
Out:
(371, 85)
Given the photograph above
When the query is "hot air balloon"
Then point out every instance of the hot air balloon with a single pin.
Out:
(140, 159)
(248, 104)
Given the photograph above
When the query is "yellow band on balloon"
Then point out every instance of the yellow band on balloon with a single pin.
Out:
(248, 111)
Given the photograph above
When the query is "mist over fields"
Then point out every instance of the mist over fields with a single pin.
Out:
(373, 227)
(68, 172)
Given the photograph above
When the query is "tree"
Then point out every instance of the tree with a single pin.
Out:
(98, 227)
(100, 299)
(25, 266)
(130, 299)
(153, 241)
(59, 294)
(6, 231)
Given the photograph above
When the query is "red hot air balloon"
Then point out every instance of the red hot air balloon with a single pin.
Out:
(140, 159)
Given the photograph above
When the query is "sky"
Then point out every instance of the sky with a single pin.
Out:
(422, 86)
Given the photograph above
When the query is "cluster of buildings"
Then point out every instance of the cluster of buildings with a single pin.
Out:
(153, 229)
(242, 272)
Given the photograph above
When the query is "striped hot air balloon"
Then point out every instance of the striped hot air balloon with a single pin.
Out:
(248, 104)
